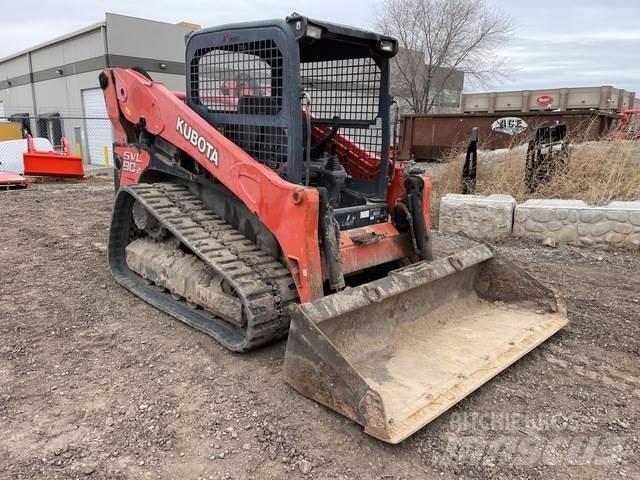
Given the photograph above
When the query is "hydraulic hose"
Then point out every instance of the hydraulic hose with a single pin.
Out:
(307, 161)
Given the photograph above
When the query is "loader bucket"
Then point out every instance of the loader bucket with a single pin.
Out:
(395, 353)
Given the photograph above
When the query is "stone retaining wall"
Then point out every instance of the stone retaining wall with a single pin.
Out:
(477, 216)
(573, 221)
(551, 221)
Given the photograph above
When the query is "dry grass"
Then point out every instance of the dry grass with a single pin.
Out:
(597, 172)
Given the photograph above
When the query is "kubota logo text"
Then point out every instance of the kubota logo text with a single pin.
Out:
(197, 140)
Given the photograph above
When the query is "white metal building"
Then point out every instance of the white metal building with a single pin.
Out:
(604, 98)
(56, 83)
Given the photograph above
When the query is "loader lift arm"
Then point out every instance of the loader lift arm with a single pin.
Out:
(133, 99)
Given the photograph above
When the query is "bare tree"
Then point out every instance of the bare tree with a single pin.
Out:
(438, 37)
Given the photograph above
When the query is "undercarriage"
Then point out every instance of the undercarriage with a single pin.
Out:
(179, 255)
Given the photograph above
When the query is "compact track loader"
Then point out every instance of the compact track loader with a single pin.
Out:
(266, 201)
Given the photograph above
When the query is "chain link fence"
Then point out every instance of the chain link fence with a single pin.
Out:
(90, 137)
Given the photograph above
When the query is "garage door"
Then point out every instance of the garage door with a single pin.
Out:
(99, 132)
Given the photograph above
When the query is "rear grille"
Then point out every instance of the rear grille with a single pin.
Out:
(267, 144)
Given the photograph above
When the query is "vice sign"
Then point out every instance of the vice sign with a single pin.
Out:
(509, 125)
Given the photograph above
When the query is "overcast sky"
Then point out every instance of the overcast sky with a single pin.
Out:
(556, 44)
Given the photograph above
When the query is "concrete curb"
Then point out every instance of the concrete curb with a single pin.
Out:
(551, 221)
(93, 171)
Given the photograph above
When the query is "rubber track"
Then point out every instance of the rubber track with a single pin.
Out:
(263, 284)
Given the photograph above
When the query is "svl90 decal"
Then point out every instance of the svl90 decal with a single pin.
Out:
(133, 162)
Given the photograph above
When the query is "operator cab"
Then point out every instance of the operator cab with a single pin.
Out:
(308, 99)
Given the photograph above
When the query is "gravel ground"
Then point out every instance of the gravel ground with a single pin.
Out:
(95, 383)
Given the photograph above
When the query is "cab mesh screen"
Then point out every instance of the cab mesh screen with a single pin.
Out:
(241, 85)
(350, 89)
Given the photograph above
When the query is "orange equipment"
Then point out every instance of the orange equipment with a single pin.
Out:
(52, 164)
(265, 202)
(629, 124)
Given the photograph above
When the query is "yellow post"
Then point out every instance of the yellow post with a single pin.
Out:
(78, 150)
(105, 153)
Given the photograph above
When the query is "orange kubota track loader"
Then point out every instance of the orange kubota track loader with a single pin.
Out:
(265, 201)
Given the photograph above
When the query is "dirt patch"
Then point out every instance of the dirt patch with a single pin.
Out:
(95, 383)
